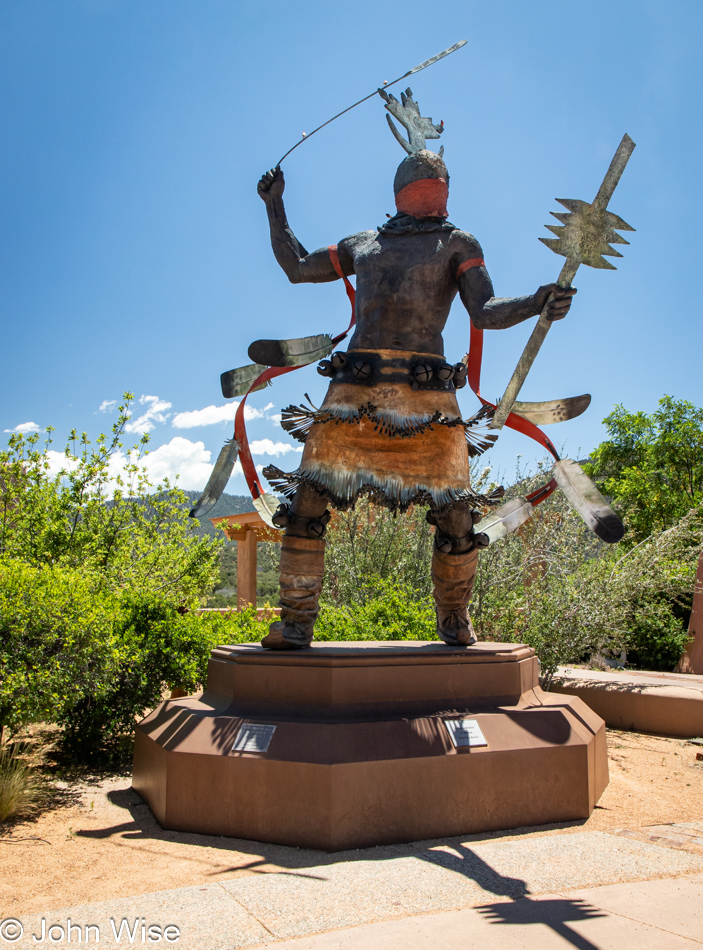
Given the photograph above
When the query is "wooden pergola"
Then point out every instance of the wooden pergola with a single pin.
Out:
(247, 529)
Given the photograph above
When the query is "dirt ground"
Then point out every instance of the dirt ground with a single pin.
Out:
(99, 840)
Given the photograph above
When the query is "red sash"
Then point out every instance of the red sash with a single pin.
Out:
(240, 429)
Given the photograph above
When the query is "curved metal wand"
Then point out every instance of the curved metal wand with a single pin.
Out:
(416, 69)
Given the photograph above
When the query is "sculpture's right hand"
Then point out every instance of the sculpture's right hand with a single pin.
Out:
(271, 184)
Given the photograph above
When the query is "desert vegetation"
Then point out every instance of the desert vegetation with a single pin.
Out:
(101, 574)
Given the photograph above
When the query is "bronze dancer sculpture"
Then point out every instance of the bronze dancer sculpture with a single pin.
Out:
(390, 424)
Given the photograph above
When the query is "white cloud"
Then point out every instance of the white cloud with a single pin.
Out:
(214, 414)
(267, 447)
(58, 461)
(107, 405)
(185, 463)
(192, 463)
(189, 461)
(204, 417)
(25, 428)
(155, 412)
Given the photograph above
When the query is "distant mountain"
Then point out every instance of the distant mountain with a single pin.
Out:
(226, 505)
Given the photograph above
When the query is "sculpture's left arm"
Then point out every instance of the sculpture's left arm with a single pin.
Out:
(489, 312)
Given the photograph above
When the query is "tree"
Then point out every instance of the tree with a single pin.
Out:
(96, 565)
(369, 546)
(651, 465)
(101, 514)
(56, 641)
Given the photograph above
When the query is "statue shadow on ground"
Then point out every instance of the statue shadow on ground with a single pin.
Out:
(554, 913)
(517, 906)
(141, 825)
(462, 860)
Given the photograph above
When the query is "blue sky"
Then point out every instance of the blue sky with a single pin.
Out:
(134, 249)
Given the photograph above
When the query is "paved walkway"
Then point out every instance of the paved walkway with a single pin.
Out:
(586, 890)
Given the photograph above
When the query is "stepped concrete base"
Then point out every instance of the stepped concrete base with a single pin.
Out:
(666, 704)
(361, 754)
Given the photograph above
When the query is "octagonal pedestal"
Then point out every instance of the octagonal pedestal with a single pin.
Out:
(361, 755)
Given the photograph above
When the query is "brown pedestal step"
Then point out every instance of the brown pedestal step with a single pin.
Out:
(362, 751)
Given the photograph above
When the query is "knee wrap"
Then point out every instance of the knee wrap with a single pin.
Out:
(314, 527)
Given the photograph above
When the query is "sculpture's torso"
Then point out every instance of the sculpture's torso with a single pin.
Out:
(405, 285)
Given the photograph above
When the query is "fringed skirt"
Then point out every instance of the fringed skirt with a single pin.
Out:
(401, 446)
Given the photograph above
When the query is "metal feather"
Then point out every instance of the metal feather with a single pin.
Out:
(266, 505)
(585, 498)
(296, 352)
(219, 477)
(236, 382)
(503, 521)
(552, 410)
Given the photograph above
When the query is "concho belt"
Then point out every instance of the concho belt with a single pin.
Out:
(366, 368)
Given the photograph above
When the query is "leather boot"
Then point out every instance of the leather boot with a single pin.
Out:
(302, 565)
(453, 578)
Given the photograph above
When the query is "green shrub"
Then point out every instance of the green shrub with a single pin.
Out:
(371, 542)
(154, 648)
(657, 637)
(56, 630)
(391, 611)
(100, 513)
(94, 662)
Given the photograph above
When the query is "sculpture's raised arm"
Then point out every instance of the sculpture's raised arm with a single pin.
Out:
(299, 266)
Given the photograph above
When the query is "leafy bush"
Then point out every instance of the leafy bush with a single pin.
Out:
(93, 661)
(56, 633)
(651, 465)
(390, 611)
(100, 513)
(370, 542)
(154, 648)
(554, 586)
(657, 637)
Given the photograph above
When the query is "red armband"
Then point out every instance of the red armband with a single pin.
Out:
(467, 265)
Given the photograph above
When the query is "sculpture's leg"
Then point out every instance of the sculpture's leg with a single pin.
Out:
(454, 562)
(302, 567)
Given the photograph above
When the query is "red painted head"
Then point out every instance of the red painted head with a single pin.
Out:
(421, 185)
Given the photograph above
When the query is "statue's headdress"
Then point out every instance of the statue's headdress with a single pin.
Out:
(421, 183)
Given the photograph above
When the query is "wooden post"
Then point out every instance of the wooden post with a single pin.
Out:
(692, 659)
(246, 529)
(246, 571)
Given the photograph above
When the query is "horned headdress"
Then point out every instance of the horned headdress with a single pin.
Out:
(421, 184)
